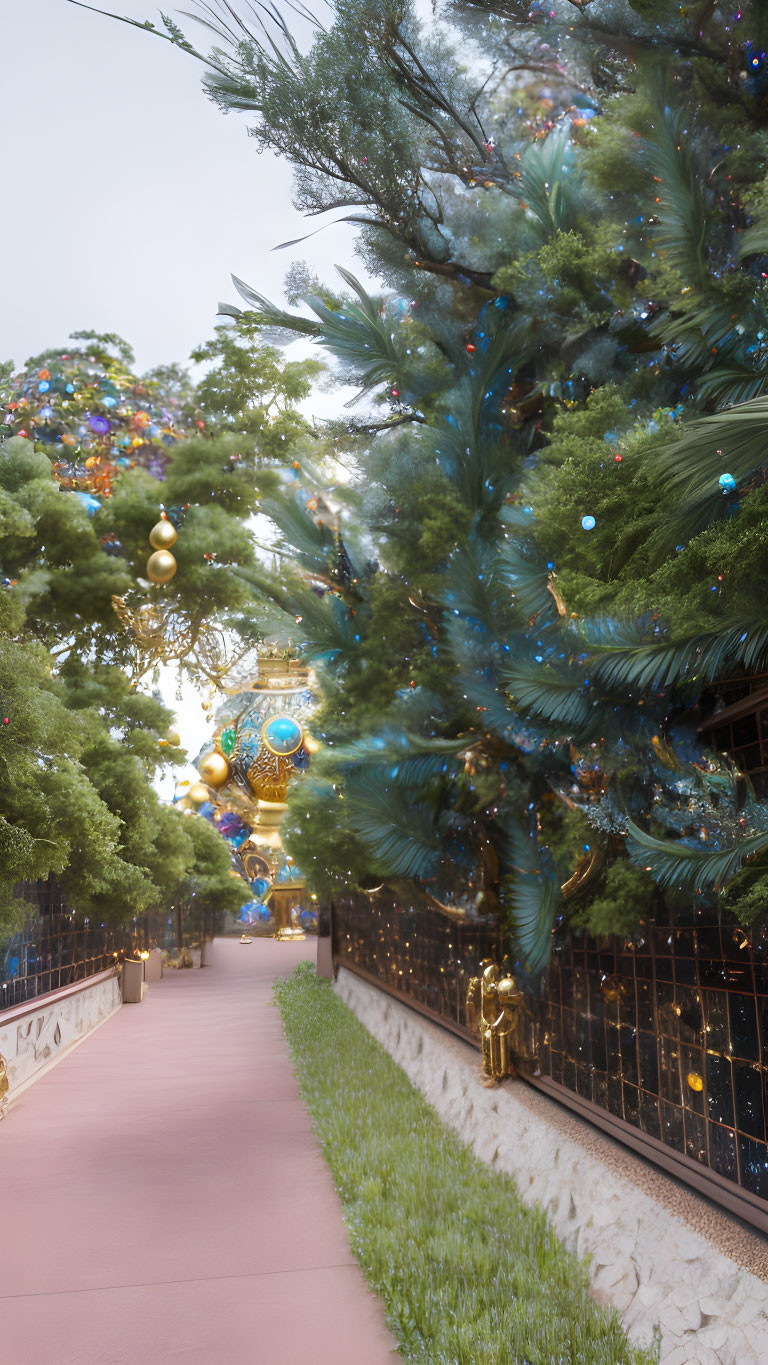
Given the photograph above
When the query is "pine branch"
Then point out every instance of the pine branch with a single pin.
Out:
(522, 569)
(311, 542)
(269, 315)
(539, 691)
(690, 868)
(544, 182)
(734, 442)
(532, 898)
(681, 173)
(401, 836)
(653, 665)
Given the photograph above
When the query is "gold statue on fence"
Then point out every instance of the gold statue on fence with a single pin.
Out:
(493, 1006)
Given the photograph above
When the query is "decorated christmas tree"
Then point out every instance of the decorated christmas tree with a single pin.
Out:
(538, 599)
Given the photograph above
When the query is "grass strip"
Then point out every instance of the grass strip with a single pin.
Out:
(468, 1274)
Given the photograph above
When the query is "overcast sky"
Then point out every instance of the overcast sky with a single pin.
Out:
(129, 200)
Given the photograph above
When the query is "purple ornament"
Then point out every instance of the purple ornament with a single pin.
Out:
(98, 424)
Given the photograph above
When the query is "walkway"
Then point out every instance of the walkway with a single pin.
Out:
(165, 1200)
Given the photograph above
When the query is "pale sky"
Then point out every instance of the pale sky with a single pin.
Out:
(129, 199)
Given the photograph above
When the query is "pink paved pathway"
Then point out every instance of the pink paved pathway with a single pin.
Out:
(165, 1200)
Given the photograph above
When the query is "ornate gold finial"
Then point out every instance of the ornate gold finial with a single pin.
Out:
(279, 673)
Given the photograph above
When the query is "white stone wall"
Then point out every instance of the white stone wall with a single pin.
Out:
(36, 1035)
(664, 1257)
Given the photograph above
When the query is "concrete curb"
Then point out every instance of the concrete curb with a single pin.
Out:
(36, 1036)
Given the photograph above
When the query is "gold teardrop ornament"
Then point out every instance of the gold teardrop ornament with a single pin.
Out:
(214, 769)
(161, 566)
(163, 535)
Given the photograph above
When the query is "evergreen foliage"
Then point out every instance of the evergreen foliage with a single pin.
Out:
(80, 743)
(565, 496)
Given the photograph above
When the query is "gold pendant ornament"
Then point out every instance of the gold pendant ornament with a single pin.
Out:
(214, 769)
(161, 566)
(163, 535)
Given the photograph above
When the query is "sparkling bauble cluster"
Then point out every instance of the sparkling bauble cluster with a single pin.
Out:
(94, 418)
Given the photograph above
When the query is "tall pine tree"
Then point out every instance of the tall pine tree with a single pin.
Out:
(550, 553)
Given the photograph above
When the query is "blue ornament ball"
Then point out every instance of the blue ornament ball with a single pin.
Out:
(90, 503)
(727, 483)
(588, 523)
(282, 735)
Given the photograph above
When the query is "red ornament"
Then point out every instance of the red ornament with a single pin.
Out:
(470, 348)
(618, 458)
(6, 720)
(395, 393)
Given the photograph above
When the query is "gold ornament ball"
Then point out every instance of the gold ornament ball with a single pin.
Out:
(174, 739)
(198, 793)
(163, 535)
(161, 566)
(508, 991)
(214, 769)
(183, 804)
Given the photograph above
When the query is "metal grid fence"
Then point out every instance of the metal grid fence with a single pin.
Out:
(55, 948)
(666, 1033)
